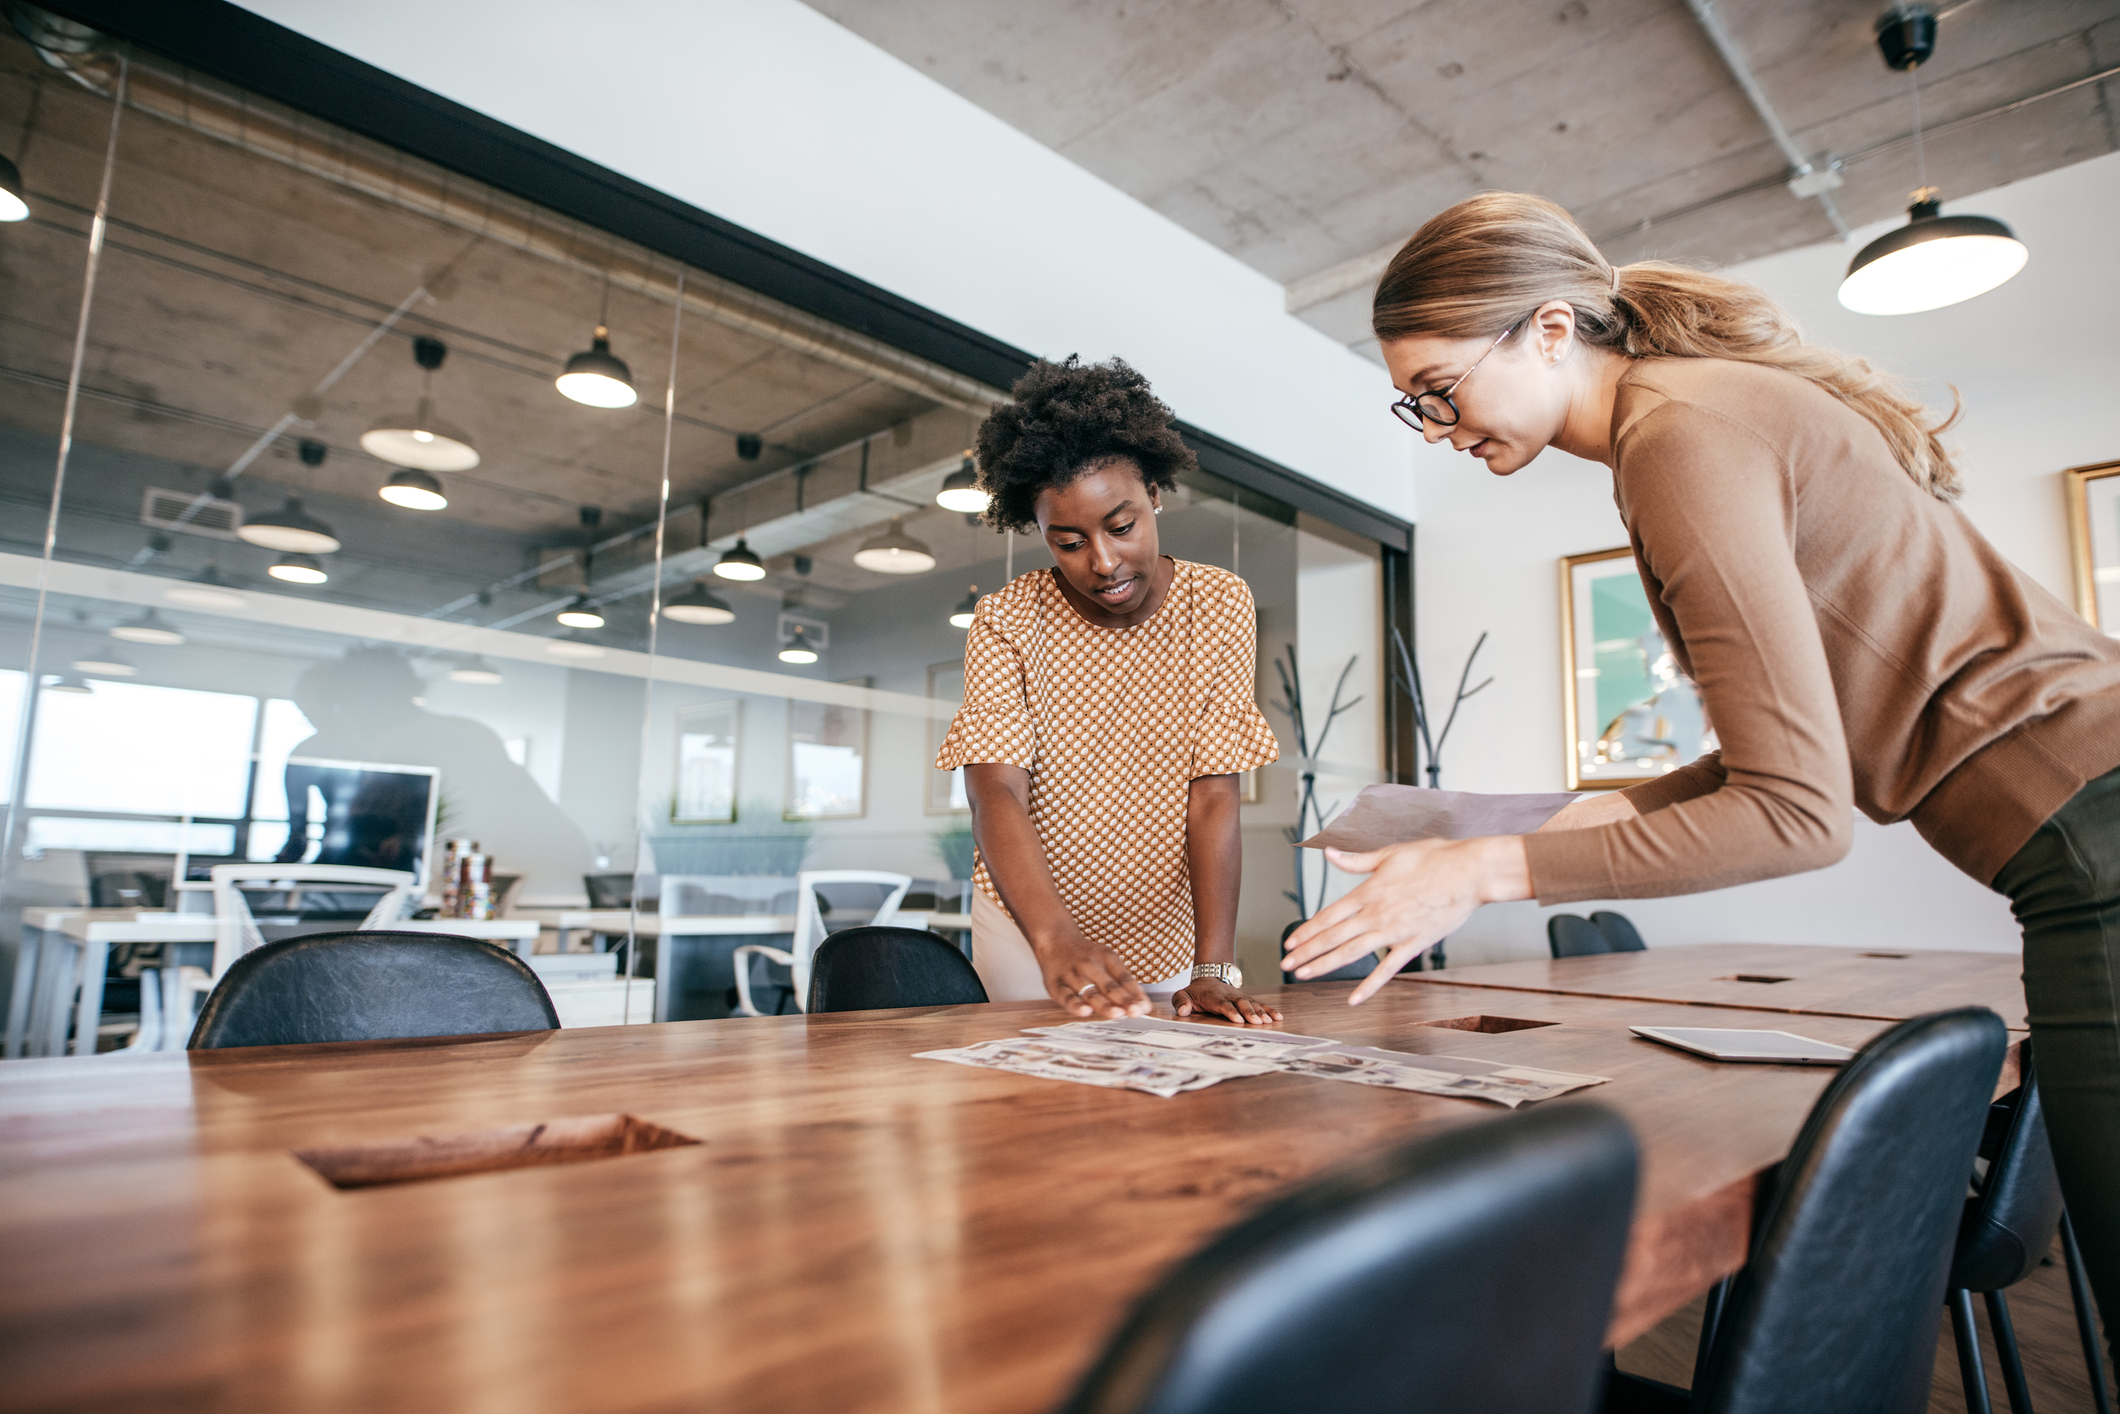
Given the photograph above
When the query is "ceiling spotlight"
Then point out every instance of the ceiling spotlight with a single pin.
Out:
(12, 205)
(894, 552)
(960, 489)
(967, 608)
(798, 649)
(298, 569)
(740, 563)
(597, 377)
(699, 605)
(414, 490)
(148, 628)
(289, 529)
(418, 438)
(1933, 260)
(581, 614)
(476, 670)
(113, 667)
(68, 682)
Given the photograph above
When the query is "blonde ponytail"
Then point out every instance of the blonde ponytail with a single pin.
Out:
(1492, 259)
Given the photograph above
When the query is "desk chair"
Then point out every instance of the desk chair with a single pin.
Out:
(1572, 935)
(1619, 930)
(1470, 1271)
(870, 969)
(371, 986)
(809, 931)
(1347, 972)
(1836, 1310)
(2008, 1227)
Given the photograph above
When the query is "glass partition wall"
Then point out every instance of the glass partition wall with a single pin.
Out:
(388, 511)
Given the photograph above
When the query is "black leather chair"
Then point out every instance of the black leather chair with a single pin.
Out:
(1470, 1271)
(1836, 1310)
(1619, 930)
(871, 968)
(2008, 1228)
(371, 986)
(1572, 935)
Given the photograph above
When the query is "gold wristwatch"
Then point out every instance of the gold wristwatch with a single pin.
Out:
(1221, 971)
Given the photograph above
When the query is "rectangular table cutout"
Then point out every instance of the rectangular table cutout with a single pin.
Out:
(1751, 977)
(1490, 1025)
(574, 1140)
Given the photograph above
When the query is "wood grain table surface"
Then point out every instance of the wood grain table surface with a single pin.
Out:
(1882, 984)
(856, 1230)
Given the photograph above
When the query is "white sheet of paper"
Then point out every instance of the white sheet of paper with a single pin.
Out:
(1120, 1065)
(1384, 815)
(1457, 1076)
(1265, 1047)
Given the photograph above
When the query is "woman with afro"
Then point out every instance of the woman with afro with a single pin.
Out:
(1107, 713)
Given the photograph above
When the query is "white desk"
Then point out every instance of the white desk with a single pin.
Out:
(90, 936)
(520, 934)
(664, 928)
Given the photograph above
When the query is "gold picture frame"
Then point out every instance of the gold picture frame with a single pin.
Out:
(1627, 714)
(2094, 542)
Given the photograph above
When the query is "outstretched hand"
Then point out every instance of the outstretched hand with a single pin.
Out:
(1416, 895)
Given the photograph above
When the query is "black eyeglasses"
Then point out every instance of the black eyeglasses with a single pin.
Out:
(1435, 405)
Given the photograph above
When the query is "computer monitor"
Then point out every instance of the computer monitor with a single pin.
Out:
(375, 815)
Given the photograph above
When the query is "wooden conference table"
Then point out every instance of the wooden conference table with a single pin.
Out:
(856, 1230)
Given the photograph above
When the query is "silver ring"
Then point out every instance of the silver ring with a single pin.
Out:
(1085, 987)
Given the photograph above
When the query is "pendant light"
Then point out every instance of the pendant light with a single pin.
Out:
(148, 628)
(414, 490)
(894, 552)
(13, 207)
(289, 529)
(419, 439)
(741, 563)
(68, 682)
(581, 614)
(699, 605)
(596, 377)
(111, 666)
(798, 649)
(1934, 260)
(476, 670)
(967, 609)
(298, 569)
(960, 489)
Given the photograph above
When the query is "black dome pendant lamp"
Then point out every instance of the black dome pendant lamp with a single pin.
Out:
(1933, 260)
(14, 201)
(596, 377)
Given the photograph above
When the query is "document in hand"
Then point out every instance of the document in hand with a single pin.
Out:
(1384, 815)
(1115, 1065)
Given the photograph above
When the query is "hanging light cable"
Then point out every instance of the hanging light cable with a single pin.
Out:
(1933, 260)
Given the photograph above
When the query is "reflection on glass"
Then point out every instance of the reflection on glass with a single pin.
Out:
(827, 757)
(706, 764)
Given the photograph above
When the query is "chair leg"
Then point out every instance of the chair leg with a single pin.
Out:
(1998, 1309)
(1972, 1373)
(1710, 1319)
(2079, 1287)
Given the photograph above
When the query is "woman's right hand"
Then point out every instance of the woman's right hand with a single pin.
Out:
(1088, 980)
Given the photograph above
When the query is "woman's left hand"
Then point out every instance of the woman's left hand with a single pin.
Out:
(1415, 896)
(1210, 996)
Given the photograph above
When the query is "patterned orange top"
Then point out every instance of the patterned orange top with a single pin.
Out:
(1113, 725)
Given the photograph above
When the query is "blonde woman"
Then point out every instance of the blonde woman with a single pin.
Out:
(1858, 643)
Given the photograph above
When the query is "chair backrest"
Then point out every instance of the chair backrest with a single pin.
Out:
(869, 969)
(1469, 1271)
(2011, 1224)
(238, 932)
(1572, 935)
(809, 920)
(1837, 1308)
(608, 890)
(371, 986)
(1619, 930)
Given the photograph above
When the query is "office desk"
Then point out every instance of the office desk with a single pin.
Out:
(730, 931)
(84, 940)
(857, 1231)
(1881, 984)
(519, 934)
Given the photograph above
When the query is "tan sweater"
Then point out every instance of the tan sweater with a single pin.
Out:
(1855, 639)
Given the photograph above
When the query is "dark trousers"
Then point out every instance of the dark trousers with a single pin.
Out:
(2064, 887)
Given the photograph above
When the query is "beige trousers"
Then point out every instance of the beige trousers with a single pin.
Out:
(1002, 957)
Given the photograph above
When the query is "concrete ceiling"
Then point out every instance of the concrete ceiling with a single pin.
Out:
(1308, 138)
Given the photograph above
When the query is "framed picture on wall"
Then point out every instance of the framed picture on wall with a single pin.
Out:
(707, 740)
(2094, 542)
(1629, 715)
(945, 789)
(828, 759)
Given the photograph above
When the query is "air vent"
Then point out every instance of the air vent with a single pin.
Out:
(817, 631)
(191, 512)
